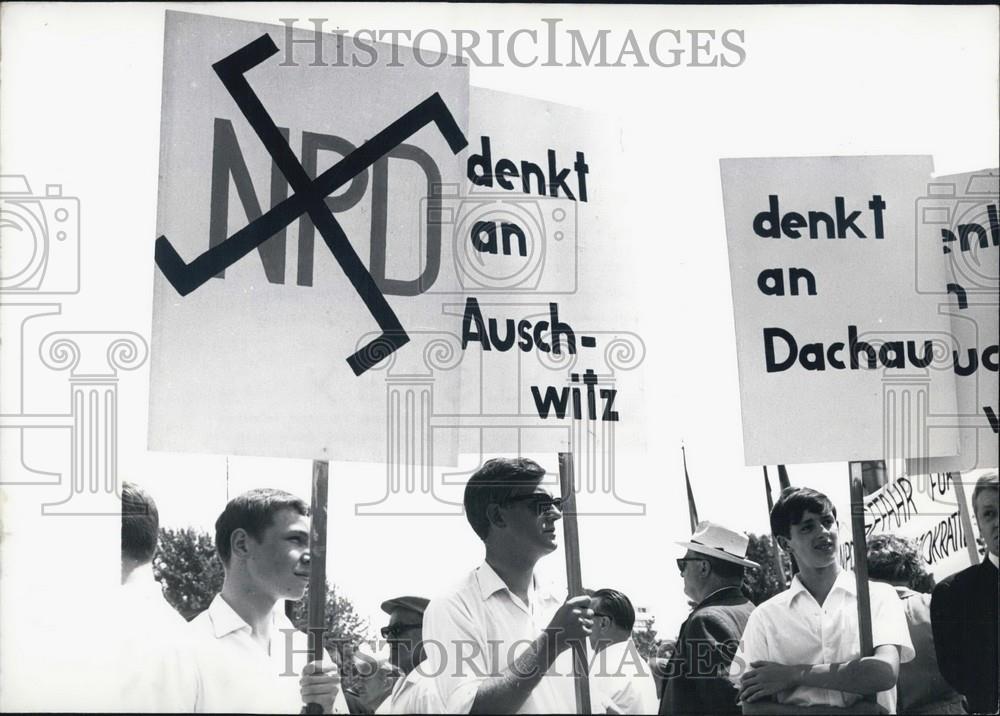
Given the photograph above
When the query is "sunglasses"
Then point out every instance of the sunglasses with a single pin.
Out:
(397, 630)
(541, 502)
(682, 562)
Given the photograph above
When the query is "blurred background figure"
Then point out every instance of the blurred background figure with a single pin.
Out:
(374, 677)
(150, 631)
(618, 675)
(964, 611)
(412, 692)
(658, 664)
(921, 689)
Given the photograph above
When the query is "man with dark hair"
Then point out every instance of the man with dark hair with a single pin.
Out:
(619, 678)
(415, 692)
(140, 529)
(697, 675)
(801, 648)
(921, 689)
(964, 612)
(492, 642)
(244, 645)
(150, 650)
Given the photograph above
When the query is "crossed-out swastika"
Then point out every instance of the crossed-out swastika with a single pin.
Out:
(308, 196)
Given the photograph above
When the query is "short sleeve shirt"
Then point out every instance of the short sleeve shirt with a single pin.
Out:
(478, 630)
(237, 674)
(415, 693)
(620, 677)
(792, 628)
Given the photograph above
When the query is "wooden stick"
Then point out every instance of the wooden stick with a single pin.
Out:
(963, 515)
(574, 577)
(317, 565)
(861, 559)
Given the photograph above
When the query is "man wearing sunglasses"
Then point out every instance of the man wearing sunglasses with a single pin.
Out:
(619, 676)
(414, 692)
(499, 642)
(697, 678)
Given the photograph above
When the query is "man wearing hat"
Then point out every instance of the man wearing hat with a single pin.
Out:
(414, 692)
(697, 673)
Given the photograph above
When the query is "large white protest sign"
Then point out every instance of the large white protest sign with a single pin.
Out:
(958, 222)
(840, 357)
(270, 312)
(552, 354)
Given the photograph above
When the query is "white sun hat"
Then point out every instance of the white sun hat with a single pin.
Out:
(717, 541)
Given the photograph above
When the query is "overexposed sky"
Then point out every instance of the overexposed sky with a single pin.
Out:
(80, 98)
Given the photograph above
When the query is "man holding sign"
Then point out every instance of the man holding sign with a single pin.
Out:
(243, 645)
(493, 641)
(801, 648)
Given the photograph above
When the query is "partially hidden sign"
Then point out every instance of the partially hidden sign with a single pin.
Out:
(958, 223)
(840, 356)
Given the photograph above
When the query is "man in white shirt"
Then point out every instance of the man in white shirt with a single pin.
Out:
(150, 647)
(620, 680)
(499, 642)
(801, 648)
(244, 648)
(415, 692)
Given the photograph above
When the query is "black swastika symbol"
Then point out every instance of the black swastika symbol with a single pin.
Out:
(308, 196)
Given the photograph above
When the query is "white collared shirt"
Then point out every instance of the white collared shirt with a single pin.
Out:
(478, 630)
(792, 628)
(236, 673)
(620, 675)
(413, 694)
(153, 660)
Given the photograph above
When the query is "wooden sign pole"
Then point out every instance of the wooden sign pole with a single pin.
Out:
(574, 578)
(963, 515)
(317, 565)
(861, 559)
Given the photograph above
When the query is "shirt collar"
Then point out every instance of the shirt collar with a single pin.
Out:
(994, 559)
(225, 620)
(718, 593)
(845, 581)
(490, 583)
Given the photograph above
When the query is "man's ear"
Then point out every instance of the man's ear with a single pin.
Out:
(783, 543)
(494, 515)
(239, 543)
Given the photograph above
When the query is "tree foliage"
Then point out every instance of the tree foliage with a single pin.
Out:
(775, 568)
(344, 629)
(645, 640)
(189, 569)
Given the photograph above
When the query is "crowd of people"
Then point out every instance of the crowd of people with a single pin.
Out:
(499, 641)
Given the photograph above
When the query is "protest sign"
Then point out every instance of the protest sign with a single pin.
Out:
(957, 222)
(270, 352)
(551, 352)
(925, 508)
(835, 345)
